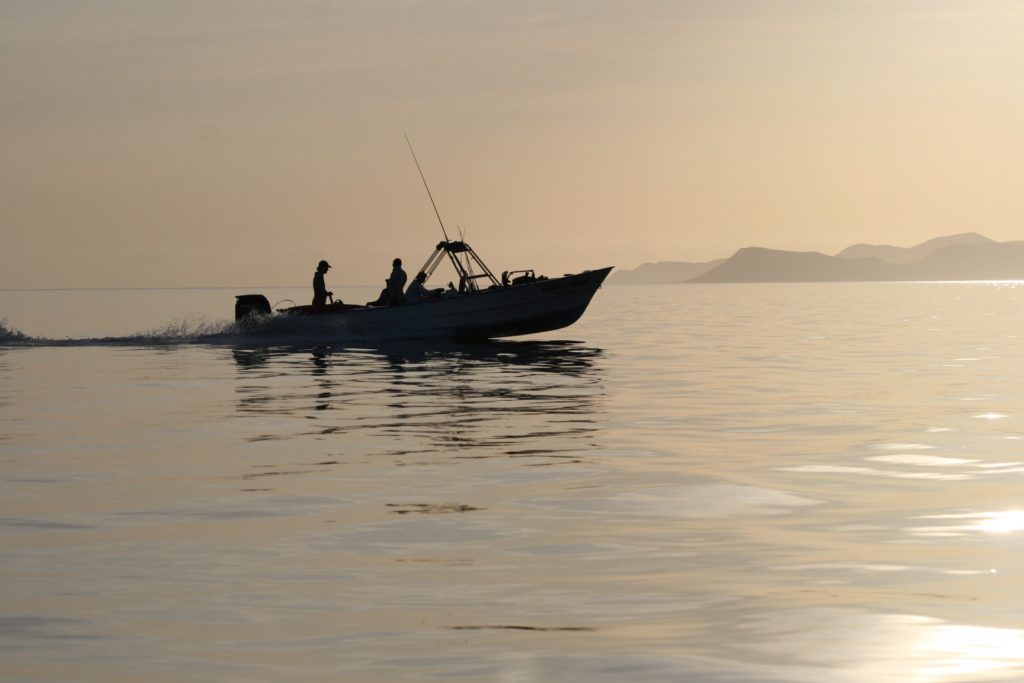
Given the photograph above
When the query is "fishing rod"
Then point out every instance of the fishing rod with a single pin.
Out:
(424, 179)
(452, 249)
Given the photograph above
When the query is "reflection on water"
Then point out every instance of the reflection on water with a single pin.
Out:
(1004, 522)
(486, 398)
(861, 646)
(781, 484)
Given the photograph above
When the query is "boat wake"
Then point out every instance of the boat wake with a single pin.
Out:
(9, 336)
(255, 341)
(251, 331)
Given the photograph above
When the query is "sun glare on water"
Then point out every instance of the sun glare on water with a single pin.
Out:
(1001, 522)
(995, 522)
(954, 651)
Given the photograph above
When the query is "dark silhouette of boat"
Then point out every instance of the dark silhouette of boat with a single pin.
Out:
(481, 307)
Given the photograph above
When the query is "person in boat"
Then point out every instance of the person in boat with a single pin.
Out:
(416, 291)
(320, 293)
(394, 289)
(396, 283)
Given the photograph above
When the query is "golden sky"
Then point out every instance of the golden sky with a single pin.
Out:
(237, 142)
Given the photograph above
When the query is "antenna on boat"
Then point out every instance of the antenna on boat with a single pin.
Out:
(424, 179)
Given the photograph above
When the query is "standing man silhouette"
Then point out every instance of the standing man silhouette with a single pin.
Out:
(320, 293)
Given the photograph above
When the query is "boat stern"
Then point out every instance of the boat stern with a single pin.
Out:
(248, 305)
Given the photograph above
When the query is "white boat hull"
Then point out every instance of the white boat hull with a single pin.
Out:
(529, 308)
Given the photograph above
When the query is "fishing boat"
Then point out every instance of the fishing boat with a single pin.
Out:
(483, 306)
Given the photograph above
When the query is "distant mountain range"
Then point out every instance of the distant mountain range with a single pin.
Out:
(891, 254)
(967, 256)
(662, 273)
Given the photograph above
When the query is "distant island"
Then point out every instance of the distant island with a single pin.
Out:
(966, 256)
(662, 273)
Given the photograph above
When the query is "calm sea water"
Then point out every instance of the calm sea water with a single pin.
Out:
(772, 483)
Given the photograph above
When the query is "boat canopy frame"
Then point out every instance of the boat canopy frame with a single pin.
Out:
(466, 263)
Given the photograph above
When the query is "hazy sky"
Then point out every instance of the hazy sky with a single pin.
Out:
(182, 142)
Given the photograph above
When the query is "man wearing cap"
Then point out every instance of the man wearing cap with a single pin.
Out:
(320, 292)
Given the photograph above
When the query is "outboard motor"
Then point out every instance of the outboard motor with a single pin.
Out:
(251, 305)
